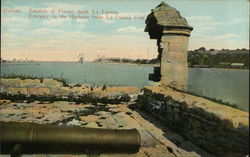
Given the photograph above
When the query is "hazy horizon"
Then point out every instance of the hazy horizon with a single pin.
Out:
(23, 59)
(217, 25)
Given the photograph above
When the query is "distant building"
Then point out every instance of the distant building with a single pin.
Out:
(237, 65)
(231, 65)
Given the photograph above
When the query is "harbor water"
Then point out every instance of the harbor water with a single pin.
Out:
(228, 85)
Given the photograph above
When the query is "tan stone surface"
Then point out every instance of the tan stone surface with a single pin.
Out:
(52, 83)
(166, 15)
(174, 68)
(116, 116)
(89, 118)
(112, 91)
(238, 117)
(53, 87)
(153, 141)
(4, 101)
(217, 128)
(14, 82)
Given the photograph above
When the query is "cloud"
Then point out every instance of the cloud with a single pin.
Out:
(204, 26)
(47, 31)
(112, 18)
(15, 30)
(54, 22)
(209, 30)
(130, 29)
(199, 18)
(208, 23)
(81, 21)
(237, 21)
(203, 21)
(227, 40)
(65, 6)
(225, 36)
(108, 21)
(132, 14)
(14, 20)
(60, 22)
(48, 43)
(7, 35)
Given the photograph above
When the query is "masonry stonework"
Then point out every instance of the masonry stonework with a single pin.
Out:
(172, 32)
(219, 129)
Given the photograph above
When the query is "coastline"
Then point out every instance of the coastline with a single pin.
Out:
(219, 68)
(37, 63)
(127, 64)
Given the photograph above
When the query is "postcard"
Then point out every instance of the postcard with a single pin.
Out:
(124, 78)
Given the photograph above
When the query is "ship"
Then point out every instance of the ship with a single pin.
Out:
(81, 58)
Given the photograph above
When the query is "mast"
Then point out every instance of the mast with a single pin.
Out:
(81, 58)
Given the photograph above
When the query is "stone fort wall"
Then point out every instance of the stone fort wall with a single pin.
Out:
(219, 129)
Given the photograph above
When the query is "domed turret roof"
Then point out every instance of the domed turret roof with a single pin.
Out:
(166, 15)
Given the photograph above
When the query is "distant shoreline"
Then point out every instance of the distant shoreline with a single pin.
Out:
(18, 64)
(127, 63)
(37, 63)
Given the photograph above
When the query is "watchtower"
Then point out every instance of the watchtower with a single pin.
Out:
(171, 30)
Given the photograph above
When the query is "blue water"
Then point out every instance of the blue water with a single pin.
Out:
(228, 85)
(91, 73)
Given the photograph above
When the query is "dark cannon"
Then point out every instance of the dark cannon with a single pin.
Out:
(28, 138)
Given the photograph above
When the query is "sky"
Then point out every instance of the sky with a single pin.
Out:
(59, 36)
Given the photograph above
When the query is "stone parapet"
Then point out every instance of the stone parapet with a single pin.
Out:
(220, 129)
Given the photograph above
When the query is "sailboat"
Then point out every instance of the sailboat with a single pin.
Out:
(81, 58)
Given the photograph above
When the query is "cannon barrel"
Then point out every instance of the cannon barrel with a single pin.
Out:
(31, 138)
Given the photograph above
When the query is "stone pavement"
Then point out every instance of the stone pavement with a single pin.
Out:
(156, 139)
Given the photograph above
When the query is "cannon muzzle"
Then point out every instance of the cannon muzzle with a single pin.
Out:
(30, 138)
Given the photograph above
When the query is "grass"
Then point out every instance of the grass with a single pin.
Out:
(86, 98)
(64, 81)
(212, 99)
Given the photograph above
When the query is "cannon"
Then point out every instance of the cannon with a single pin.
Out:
(29, 138)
